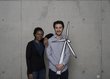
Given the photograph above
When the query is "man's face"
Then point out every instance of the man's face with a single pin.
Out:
(39, 35)
(58, 29)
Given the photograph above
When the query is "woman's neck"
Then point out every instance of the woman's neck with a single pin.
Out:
(37, 41)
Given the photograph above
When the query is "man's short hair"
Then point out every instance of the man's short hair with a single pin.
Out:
(38, 29)
(58, 22)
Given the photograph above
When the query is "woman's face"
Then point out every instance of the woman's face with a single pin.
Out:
(39, 35)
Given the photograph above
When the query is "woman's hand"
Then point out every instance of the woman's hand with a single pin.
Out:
(30, 76)
(46, 42)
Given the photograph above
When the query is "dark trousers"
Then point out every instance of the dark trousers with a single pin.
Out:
(41, 74)
(53, 75)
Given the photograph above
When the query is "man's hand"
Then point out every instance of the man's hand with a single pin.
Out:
(59, 67)
(30, 76)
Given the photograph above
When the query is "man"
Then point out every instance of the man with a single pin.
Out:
(35, 56)
(54, 51)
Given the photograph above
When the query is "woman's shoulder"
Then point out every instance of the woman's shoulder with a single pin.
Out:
(31, 42)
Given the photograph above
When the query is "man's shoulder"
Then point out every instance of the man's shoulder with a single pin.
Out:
(51, 39)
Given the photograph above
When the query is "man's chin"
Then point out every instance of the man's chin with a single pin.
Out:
(58, 34)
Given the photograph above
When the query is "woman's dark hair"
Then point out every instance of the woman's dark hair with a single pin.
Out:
(38, 29)
(58, 22)
(49, 35)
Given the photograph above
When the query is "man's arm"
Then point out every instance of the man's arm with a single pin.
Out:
(66, 56)
(49, 54)
(65, 59)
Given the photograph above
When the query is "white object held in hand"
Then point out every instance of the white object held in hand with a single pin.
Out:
(66, 42)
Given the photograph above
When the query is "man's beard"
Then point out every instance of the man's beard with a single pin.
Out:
(59, 34)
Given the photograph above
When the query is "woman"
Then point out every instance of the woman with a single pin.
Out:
(35, 56)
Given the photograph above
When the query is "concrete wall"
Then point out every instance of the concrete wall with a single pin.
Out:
(89, 33)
